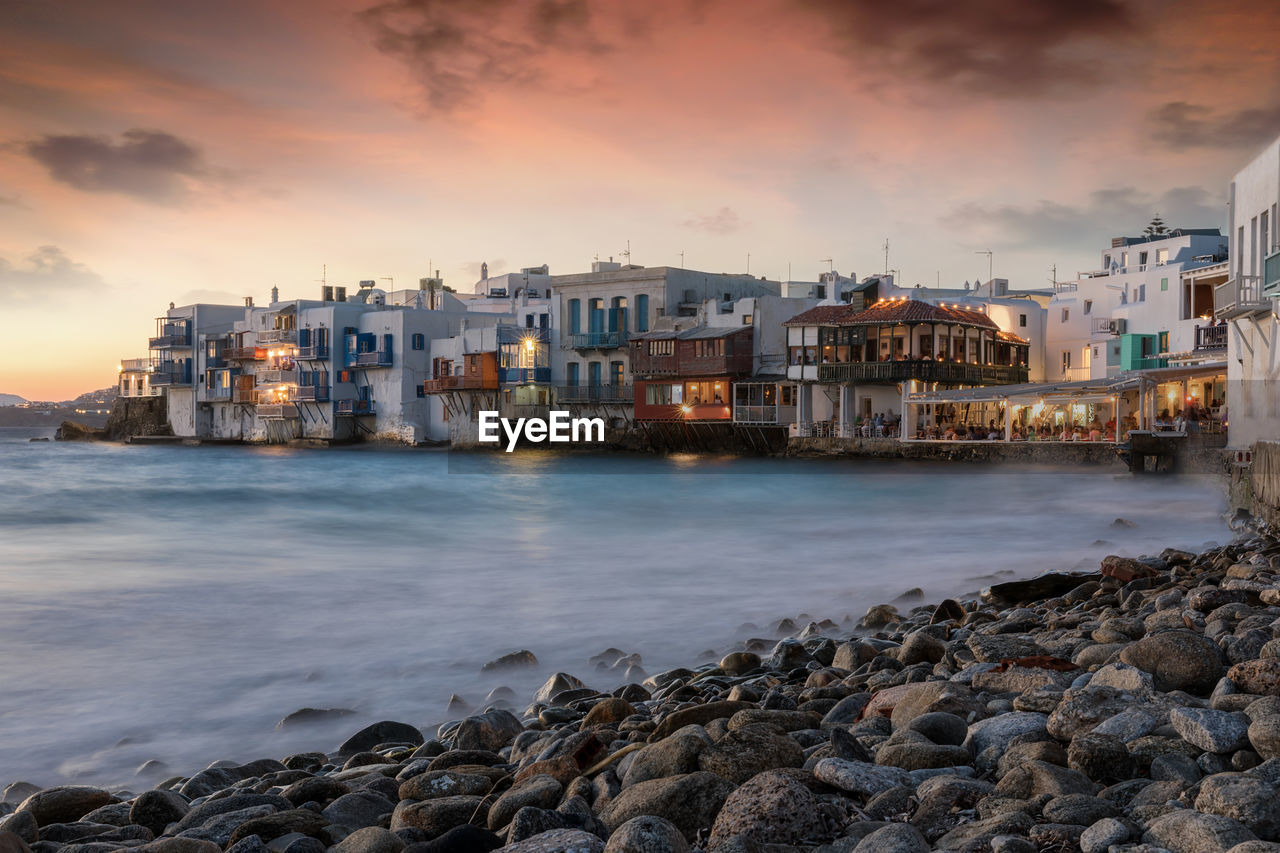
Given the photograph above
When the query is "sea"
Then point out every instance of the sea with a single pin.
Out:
(172, 604)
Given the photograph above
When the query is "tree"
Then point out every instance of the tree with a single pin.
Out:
(1156, 228)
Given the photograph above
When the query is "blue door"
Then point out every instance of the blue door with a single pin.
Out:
(572, 374)
(593, 374)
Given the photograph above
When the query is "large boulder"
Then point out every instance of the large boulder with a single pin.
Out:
(64, 804)
(1212, 731)
(647, 834)
(742, 753)
(386, 731)
(691, 802)
(772, 808)
(1177, 660)
(1187, 831)
(1250, 800)
(491, 730)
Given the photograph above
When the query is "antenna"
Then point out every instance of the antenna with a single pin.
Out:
(324, 274)
(1054, 279)
(989, 255)
(682, 259)
(886, 255)
(390, 279)
(627, 253)
(829, 263)
(748, 263)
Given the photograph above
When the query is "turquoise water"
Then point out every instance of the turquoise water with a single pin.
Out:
(173, 603)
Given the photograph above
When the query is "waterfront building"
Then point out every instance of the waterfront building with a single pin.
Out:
(1149, 304)
(852, 366)
(1247, 301)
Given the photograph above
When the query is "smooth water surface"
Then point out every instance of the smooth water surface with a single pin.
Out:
(173, 603)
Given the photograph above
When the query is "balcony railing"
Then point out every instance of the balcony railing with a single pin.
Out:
(1240, 297)
(277, 336)
(926, 371)
(353, 407)
(275, 377)
(622, 394)
(218, 360)
(1211, 338)
(244, 354)
(135, 365)
(764, 414)
(380, 358)
(218, 392)
(599, 340)
(313, 353)
(172, 336)
(244, 395)
(309, 394)
(171, 374)
(273, 411)
(459, 383)
(524, 375)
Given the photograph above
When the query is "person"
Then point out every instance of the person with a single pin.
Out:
(992, 435)
(879, 423)
(1095, 434)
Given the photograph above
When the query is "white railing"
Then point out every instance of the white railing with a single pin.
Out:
(277, 336)
(1240, 296)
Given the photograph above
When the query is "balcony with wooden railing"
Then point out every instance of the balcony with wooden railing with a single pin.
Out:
(617, 394)
(446, 384)
(244, 354)
(276, 411)
(923, 370)
(1211, 338)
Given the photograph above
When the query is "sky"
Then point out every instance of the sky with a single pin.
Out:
(179, 150)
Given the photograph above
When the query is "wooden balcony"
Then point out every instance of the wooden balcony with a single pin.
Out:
(460, 383)
(923, 370)
(248, 396)
(277, 411)
(244, 354)
(1210, 338)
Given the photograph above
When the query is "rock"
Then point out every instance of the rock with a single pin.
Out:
(1211, 731)
(772, 808)
(23, 825)
(1099, 837)
(311, 716)
(689, 801)
(157, 809)
(697, 715)
(491, 730)
(460, 839)
(993, 648)
(1077, 809)
(387, 731)
(315, 789)
(673, 756)
(1081, 710)
(371, 839)
(176, 845)
(1049, 585)
(1128, 725)
(742, 753)
(1264, 736)
(879, 615)
(1260, 677)
(999, 730)
(647, 834)
(846, 711)
(558, 841)
(941, 728)
(1039, 777)
(512, 660)
(970, 835)
(607, 711)
(933, 697)
(894, 838)
(948, 610)
(64, 804)
(1248, 799)
(10, 842)
(358, 809)
(1186, 831)
(16, 792)
(556, 684)
(445, 783)
(1124, 569)
(783, 721)
(921, 646)
(738, 663)
(919, 753)
(1177, 660)
(219, 827)
(855, 777)
(1017, 679)
(438, 816)
(201, 814)
(275, 825)
(539, 791)
(1122, 676)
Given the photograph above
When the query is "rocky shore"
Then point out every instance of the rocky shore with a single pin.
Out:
(1132, 709)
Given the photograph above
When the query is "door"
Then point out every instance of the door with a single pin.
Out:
(593, 374)
(572, 374)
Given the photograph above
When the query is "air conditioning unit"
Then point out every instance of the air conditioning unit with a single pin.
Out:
(326, 293)
(1117, 327)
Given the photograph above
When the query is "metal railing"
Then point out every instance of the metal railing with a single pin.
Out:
(764, 414)
(172, 336)
(1239, 297)
(595, 394)
(831, 429)
(309, 394)
(243, 354)
(599, 340)
(1211, 337)
(277, 410)
(135, 365)
(379, 358)
(275, 377)
(170, 374)
(924, 370)
(313, 353)
(353, 407)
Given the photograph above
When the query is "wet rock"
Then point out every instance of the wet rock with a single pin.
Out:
(772, 808)
(312, 716)
(788, 654)
(690, 801)
(854, 777)
(273, 826)
(219, 827)
(879, 616)
(611, 710)
(1186, 831)
(23, 825)
(358, 809)
(438, 816)
(1211, 731)
(993, 648)
(941, 728)
(1047, 585)
(647, 834)
(738, 663)
(538, 791)
(697, 715)
(64, 804)
(157, 809)
(1177, 660)
(922, 646)
(460, 839)
(443, 783)
(513, 660)
(386, 731)
(1248, 799)
(492, 731)
(673, 756)
(948, 610)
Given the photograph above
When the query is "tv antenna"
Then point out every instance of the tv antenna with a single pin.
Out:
(627, 253)
(830, 264)
(682, 259)
(886, 255)
(989, 255)
(324, 274)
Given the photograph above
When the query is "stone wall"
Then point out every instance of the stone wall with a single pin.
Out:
(1034, 452)
(1264, 481)
(132, 416)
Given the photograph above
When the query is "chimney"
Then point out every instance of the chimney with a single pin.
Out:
(248, 302)
(275, 295)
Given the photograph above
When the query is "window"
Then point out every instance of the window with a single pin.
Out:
(747, 319)
(803, 355)
(1142, 293)
(642, 312)
(543, 321)
(1164, 284)
(1124, 259)
(419, 341)
(1022, 320)
(665, 347)
(616, 372)
(1162, 257)
(1066, 314)
(1066, 360)
(1106, 261)
(1088, 306)
(728, 297)
(663, 395)
(709, 349)
(1142, 259)
(820, 291)
(788, 395)
(528, 321)
(575, 321)
(572, 376)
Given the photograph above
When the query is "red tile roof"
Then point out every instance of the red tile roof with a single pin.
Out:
(1010, 338)
(889, 311)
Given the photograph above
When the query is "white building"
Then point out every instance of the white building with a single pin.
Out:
(1248, 301)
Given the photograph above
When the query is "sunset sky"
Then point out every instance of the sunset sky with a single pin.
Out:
(173, 150)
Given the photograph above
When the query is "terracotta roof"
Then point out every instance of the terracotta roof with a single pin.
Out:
(914, 311)
(823, 315)
(1010, 338)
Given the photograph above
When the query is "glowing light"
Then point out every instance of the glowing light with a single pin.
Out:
(686, 408)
